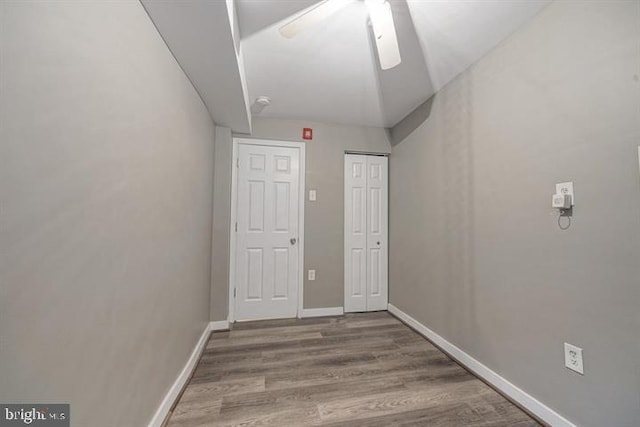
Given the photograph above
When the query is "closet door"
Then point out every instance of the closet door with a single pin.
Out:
(377, 225)
(355, 220)
(366, 229)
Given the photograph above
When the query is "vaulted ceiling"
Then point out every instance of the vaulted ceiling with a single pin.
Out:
(330, 72)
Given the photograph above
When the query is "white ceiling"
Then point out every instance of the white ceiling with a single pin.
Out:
(325, 73)
(330, 72)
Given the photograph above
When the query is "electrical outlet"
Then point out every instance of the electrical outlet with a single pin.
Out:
(566, 188)
(312, 275)
(573, 358)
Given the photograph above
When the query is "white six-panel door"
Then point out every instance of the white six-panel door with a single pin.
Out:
(355, 220)
(267, 236)
(366, 233)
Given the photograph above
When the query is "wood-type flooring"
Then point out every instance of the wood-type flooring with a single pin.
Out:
(366, 369)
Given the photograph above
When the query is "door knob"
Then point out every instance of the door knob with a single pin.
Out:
(378, 243)
(293, 240)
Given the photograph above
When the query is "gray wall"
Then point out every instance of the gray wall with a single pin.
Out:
(221, 224)
(324, 228)
(476, 252)
(106, 166)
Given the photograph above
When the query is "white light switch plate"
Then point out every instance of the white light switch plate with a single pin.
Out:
(312, 195)
(566, 188)
(312, 275)
(573, 358)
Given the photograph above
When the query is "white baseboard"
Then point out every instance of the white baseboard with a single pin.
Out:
(219, 325)
(319, 312)
(527, 401)
(178, 385)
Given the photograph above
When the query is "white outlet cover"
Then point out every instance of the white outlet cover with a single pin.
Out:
(312, 275)
(312, 195)
(566, 188)
(573, 358)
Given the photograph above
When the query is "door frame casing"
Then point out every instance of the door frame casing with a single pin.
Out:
(234, 216)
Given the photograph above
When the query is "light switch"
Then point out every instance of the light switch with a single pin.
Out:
(312, 195)
(312, 275)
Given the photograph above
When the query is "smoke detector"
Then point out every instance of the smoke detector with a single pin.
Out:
(260, 104)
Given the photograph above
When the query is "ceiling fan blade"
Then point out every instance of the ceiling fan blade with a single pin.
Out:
(384, 31)
(312, 16)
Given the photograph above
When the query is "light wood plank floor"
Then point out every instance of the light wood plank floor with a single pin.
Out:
(364, 369)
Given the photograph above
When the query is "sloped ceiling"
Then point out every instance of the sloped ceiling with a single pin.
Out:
(330, 72)
(455, 34)
(202, 35)
(326, 73)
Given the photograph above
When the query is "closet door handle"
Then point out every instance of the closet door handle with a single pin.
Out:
(293, 241)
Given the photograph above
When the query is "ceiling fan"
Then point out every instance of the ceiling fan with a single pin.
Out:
(381, 19)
